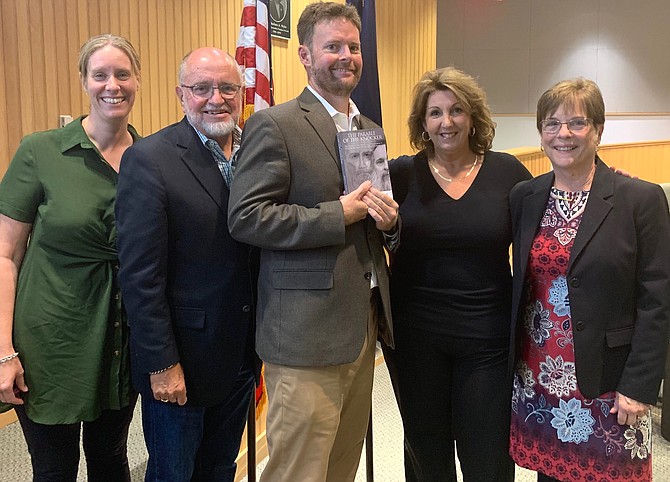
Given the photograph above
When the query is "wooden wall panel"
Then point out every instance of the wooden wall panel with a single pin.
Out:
(41, 40)
(26, 90)
(289, 74)
(13, 89)
(406, 49)
(646, 160)
(4, 121)
(50, 90)
(68, 60)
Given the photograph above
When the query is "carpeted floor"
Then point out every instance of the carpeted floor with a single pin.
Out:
(387, 435)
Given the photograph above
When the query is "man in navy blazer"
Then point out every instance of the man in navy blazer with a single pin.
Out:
(188, 287)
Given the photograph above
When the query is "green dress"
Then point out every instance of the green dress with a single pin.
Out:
(69, 325)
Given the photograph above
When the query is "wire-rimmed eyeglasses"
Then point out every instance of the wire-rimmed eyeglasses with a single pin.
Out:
(206, 91)
(576, 124)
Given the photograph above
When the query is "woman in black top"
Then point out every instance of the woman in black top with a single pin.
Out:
(451, 285)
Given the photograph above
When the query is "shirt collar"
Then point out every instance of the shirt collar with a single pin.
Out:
(237, 137)
(342, 122)
(74, 134)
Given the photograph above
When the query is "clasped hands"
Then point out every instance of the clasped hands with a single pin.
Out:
(368, 200)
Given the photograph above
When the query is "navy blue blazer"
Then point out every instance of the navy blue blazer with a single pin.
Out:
(618, 280)
(188, 287)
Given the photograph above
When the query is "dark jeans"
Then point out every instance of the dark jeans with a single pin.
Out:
(452, 391)
(196, 443)
(54, 449)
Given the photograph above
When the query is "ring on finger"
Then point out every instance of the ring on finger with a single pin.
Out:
(164, 400)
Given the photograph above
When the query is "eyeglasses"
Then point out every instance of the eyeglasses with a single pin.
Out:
(553, 126)
(206, 91)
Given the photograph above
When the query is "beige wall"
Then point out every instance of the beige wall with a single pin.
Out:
(518, 49)
(40, 40)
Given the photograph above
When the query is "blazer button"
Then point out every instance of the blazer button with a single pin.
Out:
(368, 276)
(246, 308)
(574, 282)
(579, 326)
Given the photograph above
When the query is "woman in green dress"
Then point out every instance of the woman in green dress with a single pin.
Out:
(63, 338)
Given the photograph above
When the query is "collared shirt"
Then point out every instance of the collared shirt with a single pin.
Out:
(237, 137)
(342, 121)
(69, 325)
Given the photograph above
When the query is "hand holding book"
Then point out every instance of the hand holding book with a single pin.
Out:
(353, 205)
(363, 157)
(382, 208)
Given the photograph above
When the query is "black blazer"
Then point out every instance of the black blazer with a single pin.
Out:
(187, 285)
(618, 280)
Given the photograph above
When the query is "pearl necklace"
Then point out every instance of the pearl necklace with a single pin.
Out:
(451, 179)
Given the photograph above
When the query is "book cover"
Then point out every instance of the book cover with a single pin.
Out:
(363, 156)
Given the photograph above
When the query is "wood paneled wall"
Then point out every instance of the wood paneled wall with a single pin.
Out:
(40, 41)
(646, 160)
(406, 33)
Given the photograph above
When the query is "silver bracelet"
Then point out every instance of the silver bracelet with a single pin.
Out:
(5, 359)
(158, 371)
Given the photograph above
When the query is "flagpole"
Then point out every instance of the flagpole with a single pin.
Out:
(251, 437)
(253, 54)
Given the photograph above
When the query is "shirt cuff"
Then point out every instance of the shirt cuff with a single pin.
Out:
(392, 236)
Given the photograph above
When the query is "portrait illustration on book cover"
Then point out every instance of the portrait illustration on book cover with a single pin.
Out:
(363, 157)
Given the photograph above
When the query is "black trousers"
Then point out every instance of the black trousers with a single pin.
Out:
(452, 393)
(54, 449)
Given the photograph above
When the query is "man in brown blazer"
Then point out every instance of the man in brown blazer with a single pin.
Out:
(323, 285)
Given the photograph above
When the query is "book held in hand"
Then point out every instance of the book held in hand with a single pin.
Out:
(363, 157)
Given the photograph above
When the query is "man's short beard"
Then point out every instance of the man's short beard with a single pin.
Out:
(328, 83)
(213, 130)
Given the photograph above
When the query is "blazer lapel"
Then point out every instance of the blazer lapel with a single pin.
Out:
(200, 162)
(532, 211)
(321, 122)
(597, 208)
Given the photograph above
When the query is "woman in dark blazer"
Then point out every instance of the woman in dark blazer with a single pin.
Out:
(591, 301)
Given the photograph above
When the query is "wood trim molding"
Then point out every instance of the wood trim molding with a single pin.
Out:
(647, 160)
(7, 418)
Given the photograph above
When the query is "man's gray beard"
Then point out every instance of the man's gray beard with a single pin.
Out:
(213, 130)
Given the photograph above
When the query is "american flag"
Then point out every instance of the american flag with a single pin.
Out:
(253, 54)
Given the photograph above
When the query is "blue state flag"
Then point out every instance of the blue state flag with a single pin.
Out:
(366, 94)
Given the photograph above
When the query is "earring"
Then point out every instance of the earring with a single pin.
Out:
(472, 131)
(425, 136)
(542, 148)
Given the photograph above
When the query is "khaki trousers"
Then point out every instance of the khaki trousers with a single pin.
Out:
(318, 416)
